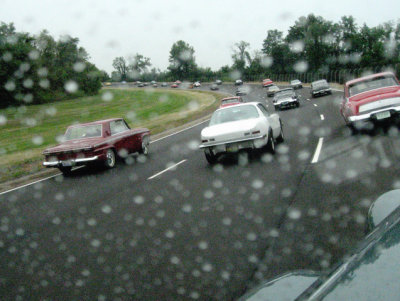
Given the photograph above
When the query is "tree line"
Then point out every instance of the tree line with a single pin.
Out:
(311, 45)
(40, 69)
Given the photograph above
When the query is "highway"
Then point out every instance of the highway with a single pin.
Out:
(172, 227)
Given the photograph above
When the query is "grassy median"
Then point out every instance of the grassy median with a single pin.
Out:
(27, 130)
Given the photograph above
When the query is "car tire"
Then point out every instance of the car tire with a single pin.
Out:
(65, 170)
(110, 158)
(145, 147)
(281, 137)
(271, 143)
(298, 104)
(211, 158)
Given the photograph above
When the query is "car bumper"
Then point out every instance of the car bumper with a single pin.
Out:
(288, 104)
(322, 92)
(377, 115)
(72, 162)
(235, 145)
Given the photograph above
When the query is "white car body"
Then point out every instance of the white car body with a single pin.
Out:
(197, 84)
(238, 82)
(233, 136)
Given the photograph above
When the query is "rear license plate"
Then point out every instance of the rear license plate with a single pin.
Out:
(66, 163)
(382, 115)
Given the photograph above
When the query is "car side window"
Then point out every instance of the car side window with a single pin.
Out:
(118, 126)
(263, 110)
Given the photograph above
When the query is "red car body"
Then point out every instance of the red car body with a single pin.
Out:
(230, 101)
(96, 142)
(267, 82)
(174, 86)
(371, 98)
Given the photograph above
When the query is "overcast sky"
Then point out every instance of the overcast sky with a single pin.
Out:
(111, 28)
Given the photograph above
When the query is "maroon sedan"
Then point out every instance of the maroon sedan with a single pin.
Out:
(99, 141)
(371, 98)
(230, 101)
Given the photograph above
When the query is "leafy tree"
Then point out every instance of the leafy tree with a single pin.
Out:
(182, 61)
(120, 65)
(241, 56)
(138, 65)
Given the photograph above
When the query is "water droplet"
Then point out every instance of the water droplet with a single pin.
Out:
(251, 236)
(203, 245)
(3, 120)
(207, 267)
(108, 96)
(106, 209)
(95, 243)
(257, 184)
(170, 234)
(187, 208)
(37, 140)
(294, 213)
(92, 222)
(175, 260)
(71, 86)
(79, 66)
(139, 200)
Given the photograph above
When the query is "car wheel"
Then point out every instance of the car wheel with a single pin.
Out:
(211, 158)
(145, 147)
(110, 158)
(297, 104)
(66, 170)
(271, 143)
(281, 137)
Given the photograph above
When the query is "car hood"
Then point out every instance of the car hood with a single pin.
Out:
(71, 145)
(229, 130)
(284, 99)
(375, 95)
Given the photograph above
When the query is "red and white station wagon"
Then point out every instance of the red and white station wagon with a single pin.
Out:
(370, 99)
(99, 141)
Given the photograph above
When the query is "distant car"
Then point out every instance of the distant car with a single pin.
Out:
(107, 84)
(155, 85)
(320, 88)
(241, 127)
(153, 82)
(178, 82)
(164, 84)
(141, 85)
(244, 90)
(218, 82)
(368, 272)
(174, 85)
(145, 84)
(296, 84)
(230, 101)
(238, 82)
(214, 87)
(267, 83)
(100, 141)
(371, 99)
(196, 84)
(286, 98)
(272, 90)
(123, 82)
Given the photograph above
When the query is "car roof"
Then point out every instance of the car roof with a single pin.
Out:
(96, 122)
(367, 77)
(319, 81)
(253, 103)
(231, 97)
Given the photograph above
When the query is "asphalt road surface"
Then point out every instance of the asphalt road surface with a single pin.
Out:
(170, 226)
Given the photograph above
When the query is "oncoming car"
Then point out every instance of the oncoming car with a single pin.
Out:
(240, 127)
(286, 98)
(100, 141)
(230, 101)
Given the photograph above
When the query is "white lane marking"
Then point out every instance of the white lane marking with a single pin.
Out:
(197, 124)
(315, 105)
(322, 117)
(4, 192)
(38, 181)
(165, 170)
(317, 150)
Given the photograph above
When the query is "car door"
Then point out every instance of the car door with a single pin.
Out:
(120, 133)
(273, 120)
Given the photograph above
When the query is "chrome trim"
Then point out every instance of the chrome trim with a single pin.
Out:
(379, 104)
(231, 141)
(73, 161)
(367, 116)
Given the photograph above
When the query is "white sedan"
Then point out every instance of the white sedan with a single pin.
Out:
(238, 127)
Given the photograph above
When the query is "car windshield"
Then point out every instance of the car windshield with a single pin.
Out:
(164, 206)
(294, 82)
(234, 113)
(372, 84)
(84, 131)
(320, 84)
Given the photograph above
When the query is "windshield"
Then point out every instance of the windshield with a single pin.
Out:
(168, 207)
(234, 113)
(320, 84)
(87, 131)
(375, 83)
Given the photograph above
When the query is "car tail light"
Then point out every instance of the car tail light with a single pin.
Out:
(256, 132)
